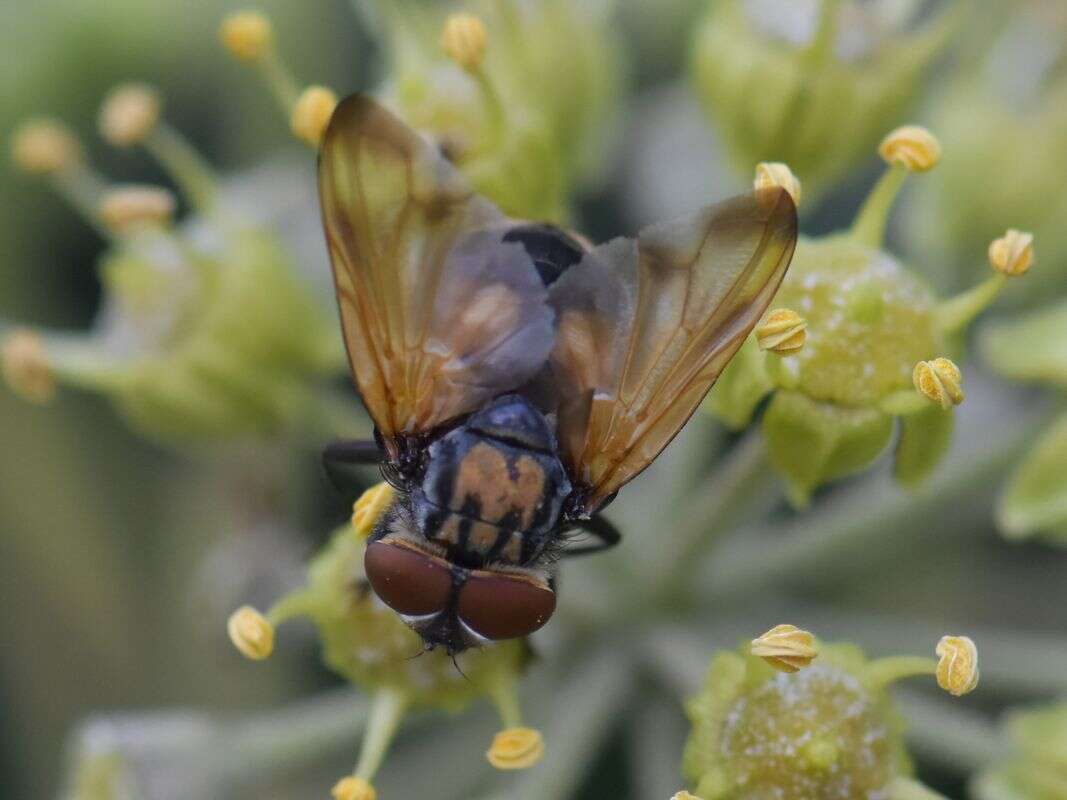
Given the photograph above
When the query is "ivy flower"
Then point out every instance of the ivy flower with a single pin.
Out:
(856, 342)
(829, 729)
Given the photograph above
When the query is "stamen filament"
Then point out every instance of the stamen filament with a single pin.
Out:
(83, 188)
(281, 82)
(885, 671)
(506, 699)
(386, 712)
(870, 224)
(186, 166)
(957, 312)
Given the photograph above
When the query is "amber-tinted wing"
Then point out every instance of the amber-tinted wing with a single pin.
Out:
(439, 314)
(645, 327)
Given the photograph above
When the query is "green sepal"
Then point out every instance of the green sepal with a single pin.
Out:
(925, 437)
(1035, 499)
(810, 443)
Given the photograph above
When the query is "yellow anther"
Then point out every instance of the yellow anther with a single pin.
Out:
(1012, 253)
(939, 380)
(516, 748)
(247, 35)
(370, 506)
(251, 633)
(774, 173)
(25, 366)
(464, 40)
(353, 788)
(782, 331)
(913, 146)
(787, 648)
(957, 665)
(43, 146)
(129, 113)
(312, 113)
(129, 207)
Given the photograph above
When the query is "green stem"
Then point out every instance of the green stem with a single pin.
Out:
(494, 107)
(822, 46)
(385, 714)
(83, 189)
(186, 166)
(77, 360)
(506, 699)
(824, 544)
(957, 312)
(869, 227)
(713, 509)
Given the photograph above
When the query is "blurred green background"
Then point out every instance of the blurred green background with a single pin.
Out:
(120, 559)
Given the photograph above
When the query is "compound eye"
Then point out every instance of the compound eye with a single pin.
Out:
(502, 606)
(408, 581)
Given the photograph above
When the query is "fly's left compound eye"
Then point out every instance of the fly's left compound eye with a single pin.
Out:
(502, 606)
(408, 581)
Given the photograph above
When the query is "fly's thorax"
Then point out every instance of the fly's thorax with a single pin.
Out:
(493, 487)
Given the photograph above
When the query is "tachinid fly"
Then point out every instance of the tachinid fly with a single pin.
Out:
(517, 377)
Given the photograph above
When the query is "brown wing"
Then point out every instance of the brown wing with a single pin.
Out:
(645, 327)
(438, 313)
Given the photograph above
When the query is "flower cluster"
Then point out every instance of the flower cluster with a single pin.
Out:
(206, 329)
(814, 84)
(518, 97)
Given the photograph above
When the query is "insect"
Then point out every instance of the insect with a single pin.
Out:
(516, 376)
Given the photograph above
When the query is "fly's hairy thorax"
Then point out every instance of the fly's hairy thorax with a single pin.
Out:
(493, 487)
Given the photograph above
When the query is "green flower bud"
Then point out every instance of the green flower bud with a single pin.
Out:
(870, 320)
(829, 730)
(815, 86)
(367, 643)
(1036, 768)
(857, 340)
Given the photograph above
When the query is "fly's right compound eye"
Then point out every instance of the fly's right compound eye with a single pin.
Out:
(409, 581)
(503, 606)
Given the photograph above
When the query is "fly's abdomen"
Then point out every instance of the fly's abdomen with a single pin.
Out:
(493, 487)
